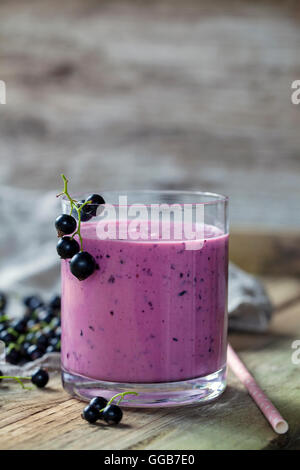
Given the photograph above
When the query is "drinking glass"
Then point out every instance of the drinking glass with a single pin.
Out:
(152, 318)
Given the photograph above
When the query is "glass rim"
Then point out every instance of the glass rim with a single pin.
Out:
(216, 198)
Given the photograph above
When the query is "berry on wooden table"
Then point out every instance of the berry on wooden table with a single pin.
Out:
(112, 414)
(40, 378)
(99, 403)
(90, 414)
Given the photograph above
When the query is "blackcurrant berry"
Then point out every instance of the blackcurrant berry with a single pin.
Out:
(96, 201)
(85, 215)
(46, 315)
(65, 225)
(90, 414)
(23, 350)
(33, 302)
(30, 337)
(42, 340)
(20, 326)
(67, 247)
(55, 302)
(40, 378)
(58, 332)
(13, 356)
(49, 332)
(34, 352)
(3, 301)
(82, 265)
(99, 403)
(112, 414)
(7, 336)
(55, 342)
(3, 326)
(55, 322)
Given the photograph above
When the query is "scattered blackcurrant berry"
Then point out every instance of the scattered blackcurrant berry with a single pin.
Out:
(13, 355)
(55, 342)
(34, 352)
(82, 265)
(40, 378)
(24, 350)
(112, 414)
(90, 414)
(20, 326)
(67, 247)
(3, 326)
(99, 403)
(55, 322)
(3, 301)
(33, 302)
(42, 340)
(7, 336)
(65, 225)
(49, 332)
(46, 315)
(55, 302)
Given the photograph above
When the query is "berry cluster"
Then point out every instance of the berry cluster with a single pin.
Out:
(82, 264)
(101, 409)
(39, 378)
(37, 332)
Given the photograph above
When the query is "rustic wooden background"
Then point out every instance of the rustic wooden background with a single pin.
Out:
(161, 93)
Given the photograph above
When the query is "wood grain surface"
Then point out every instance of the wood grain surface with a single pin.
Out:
(50, 419)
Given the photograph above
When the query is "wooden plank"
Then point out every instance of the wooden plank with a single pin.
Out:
(50, 419)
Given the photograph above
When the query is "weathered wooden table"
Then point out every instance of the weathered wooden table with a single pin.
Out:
(50, 419)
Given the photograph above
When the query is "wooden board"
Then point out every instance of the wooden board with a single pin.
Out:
(50, 419)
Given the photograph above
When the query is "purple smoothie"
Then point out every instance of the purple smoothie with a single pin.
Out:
(152, 311)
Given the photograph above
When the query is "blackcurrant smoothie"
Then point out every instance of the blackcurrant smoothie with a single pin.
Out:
(152, 312)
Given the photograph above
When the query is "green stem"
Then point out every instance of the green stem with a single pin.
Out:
(18, 379)
(66, 191)
(73, 204)
(121, 395)
(79, 209)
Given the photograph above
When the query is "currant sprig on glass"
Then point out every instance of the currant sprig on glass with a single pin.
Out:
(68, 226)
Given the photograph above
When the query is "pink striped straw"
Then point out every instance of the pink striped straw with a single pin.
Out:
(267, 408)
